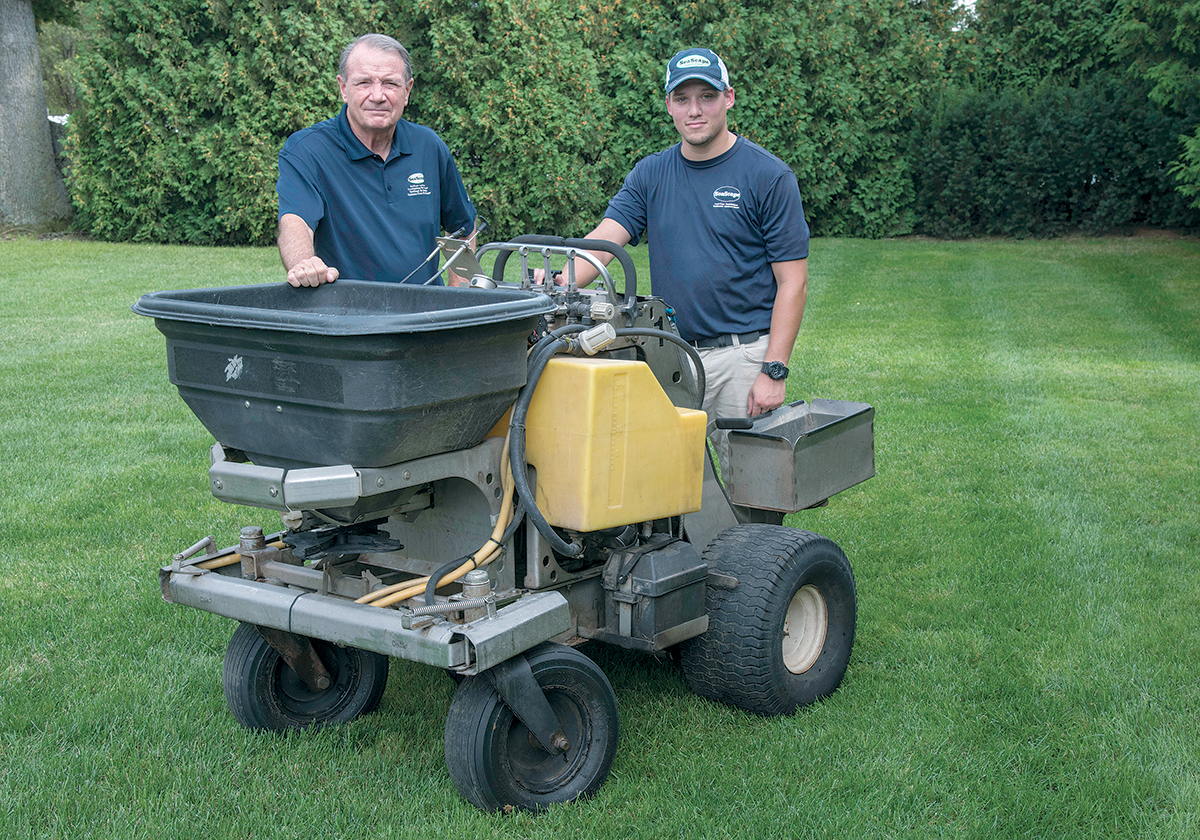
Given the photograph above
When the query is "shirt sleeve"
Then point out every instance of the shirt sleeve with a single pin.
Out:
(458, 213)
(299, 193)
(785, 230)
(628, 206)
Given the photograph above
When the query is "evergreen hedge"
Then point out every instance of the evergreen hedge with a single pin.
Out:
(186, 104)
(546, 104)
(1093, 158)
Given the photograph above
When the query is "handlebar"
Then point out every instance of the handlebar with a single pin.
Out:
(537, 239)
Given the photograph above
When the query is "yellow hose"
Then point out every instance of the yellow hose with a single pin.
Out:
(222, 562)
(488, 552)
(406, 589)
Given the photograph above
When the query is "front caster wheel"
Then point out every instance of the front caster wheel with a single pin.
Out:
(263, 692)
(496, 763)
(781, 638)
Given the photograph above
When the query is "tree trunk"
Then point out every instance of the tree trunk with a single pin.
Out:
(31, 190)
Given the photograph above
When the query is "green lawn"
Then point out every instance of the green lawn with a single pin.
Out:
(1028, 653)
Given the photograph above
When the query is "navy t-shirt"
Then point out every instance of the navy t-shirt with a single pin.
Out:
(373, 219)
(714, 227)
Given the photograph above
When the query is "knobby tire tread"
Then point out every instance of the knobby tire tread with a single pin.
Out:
(738, 660)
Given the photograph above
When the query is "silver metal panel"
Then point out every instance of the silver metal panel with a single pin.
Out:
(315, 488)
(344, 485)
(305, 577)
(801, 454)
(527, 622)
(245, 484)
(715, 514)
(309, 614)
(480, 465)
(681, 632)
(515, 629)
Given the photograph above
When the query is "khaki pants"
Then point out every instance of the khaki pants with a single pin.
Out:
(730, 372)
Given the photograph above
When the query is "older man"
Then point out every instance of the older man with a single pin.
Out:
(365, 195)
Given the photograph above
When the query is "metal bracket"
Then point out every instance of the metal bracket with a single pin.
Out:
(254, 560)
(183, 562)
(620, 564)
(300, 655)
(720, 580)
(514, 681)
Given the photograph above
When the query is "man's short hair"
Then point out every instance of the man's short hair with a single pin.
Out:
(377, 42)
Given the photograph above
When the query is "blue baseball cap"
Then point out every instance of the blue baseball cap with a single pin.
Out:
(697, 63)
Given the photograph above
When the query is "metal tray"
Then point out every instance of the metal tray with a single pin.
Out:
(800, 454)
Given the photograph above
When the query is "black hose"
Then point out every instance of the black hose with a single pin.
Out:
(525, 498)
(539, 356)
(544, 350)
(518, 515)
(442, 571)
(701, 378)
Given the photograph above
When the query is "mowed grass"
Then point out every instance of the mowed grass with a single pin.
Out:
(1028, 646)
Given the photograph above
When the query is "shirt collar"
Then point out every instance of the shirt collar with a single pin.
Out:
(719, 159)
(355, 150)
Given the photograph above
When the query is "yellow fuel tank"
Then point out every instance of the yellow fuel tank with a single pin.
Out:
(609, 447)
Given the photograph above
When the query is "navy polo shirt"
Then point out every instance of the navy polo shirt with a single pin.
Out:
(373, 219)
(714, 227)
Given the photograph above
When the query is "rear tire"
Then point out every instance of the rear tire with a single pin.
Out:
(263, 692)
(781, 638)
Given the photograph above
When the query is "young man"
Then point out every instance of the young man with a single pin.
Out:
(365, 194)
(728, 240)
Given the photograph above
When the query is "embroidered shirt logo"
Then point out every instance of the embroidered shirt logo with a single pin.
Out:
(417, 185)
(726, 197)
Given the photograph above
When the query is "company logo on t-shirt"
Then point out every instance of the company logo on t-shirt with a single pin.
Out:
(416, 184)
(726, 197)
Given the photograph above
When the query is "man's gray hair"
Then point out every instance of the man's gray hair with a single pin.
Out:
(377, 42)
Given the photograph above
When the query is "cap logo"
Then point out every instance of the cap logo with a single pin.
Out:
(693, 61)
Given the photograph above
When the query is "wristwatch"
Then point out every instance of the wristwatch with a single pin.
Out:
(775, 370)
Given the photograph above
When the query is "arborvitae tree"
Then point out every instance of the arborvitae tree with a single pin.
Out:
(186, 105)
(1160, 39)
(1025, 42)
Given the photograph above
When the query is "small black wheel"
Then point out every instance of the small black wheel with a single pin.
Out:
(496, 763)
(263, 692)
(781, 638)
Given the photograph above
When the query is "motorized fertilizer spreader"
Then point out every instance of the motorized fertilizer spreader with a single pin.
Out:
(481, 479)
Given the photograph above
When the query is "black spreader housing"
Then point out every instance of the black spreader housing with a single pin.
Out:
(368, 374)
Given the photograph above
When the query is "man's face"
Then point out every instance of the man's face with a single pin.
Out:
(698, 110)
(375, 89)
